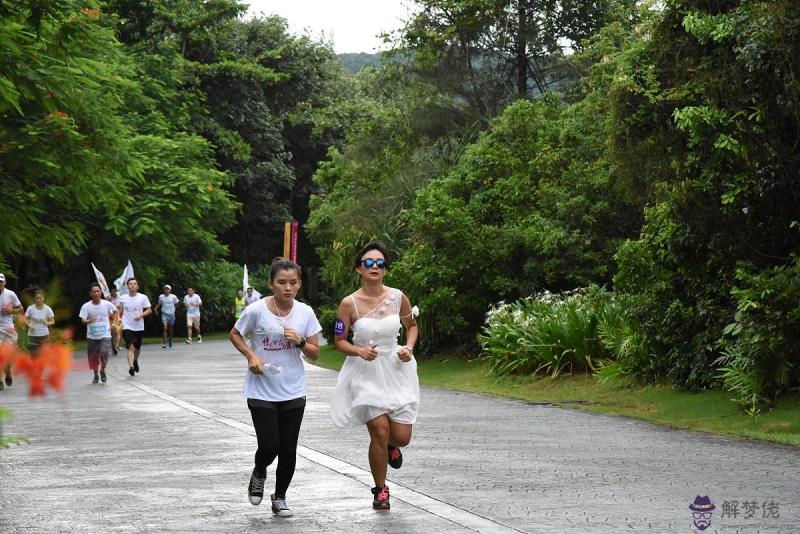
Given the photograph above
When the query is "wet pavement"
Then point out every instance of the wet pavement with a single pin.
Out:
(171, 451)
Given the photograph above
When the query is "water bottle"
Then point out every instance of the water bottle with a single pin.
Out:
(270, 369)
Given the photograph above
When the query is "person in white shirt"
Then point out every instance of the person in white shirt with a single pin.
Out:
(9, 307)
(252, 296)
(40, 318)
(280, 330)
(97, 315)
(192, 302)
(133, 308)
(166, 305)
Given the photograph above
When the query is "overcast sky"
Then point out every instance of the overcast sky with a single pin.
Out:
(352, 25)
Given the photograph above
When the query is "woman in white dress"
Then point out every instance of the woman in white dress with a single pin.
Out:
(378, 384)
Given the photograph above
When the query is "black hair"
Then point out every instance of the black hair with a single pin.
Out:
(282, 264)
(128, 281)
(372, 245)
(94, 285)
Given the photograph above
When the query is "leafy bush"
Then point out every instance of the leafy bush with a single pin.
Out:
(761, 349)
(632, 358)
(715, 88)
(546, 334)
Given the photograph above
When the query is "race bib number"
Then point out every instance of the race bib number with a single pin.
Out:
(338, 328)
(97, 329)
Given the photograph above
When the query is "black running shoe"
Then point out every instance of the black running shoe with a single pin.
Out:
(96, 379)
(380, 497)
(9, 380)
(136, 365)
(395, 457)
(102, 376)
(114, 351)
(255, 490)
(279, 506)
(131, 371)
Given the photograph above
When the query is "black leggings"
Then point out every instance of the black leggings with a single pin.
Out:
(277, 431)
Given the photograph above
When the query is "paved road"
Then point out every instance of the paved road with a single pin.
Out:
(171, 451)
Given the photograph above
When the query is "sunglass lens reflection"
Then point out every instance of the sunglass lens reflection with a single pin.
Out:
(370, 263)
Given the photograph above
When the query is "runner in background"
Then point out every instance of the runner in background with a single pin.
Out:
(238, 305)
(166, 305)
(97, 315)
(133, 308)
(40, 318)
(252, 296)
(192, 302)
(9, 307)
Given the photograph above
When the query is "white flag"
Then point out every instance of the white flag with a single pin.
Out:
(244, 280)
(123, 279)
(102, 281)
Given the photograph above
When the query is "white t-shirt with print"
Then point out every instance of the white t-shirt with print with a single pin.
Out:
(168, 303)
(37, 320)
(264, 332)
(252, 298)
(131, 307)
(7, 319)
(99, 327)
(192, 303)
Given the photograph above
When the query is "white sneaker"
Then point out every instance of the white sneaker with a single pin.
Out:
(199, 340)
(188, 341)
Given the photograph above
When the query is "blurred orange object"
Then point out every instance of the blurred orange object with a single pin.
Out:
(48, 369)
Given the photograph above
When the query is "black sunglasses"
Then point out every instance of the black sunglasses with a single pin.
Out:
(369, 263)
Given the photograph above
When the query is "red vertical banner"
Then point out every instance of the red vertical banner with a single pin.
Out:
(295, 231)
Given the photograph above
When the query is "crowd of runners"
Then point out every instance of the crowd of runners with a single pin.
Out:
(377, 386)
(108, 321)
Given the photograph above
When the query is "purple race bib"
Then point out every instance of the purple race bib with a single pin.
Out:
(338, 328)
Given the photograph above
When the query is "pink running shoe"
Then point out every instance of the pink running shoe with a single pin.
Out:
(380, 499)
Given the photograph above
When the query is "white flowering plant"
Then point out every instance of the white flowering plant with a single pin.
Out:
(547, 333)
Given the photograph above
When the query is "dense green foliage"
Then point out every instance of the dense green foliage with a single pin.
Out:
(78, 126)
(355, 62)
(168, 133)
(664, 166)
(503, 148)
(723, 206)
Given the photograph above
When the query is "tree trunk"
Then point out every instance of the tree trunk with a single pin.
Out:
(521, 52)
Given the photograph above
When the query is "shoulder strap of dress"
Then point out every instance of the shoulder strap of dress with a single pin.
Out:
(398, 299)
(355, 307)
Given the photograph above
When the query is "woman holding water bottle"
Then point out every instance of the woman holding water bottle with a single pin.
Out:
(274, 333)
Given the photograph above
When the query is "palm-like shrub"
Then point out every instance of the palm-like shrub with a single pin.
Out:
(545, 334)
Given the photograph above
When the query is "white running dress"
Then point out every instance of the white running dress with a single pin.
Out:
(385, 385)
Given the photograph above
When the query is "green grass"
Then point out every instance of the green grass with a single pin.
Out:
(708, 411)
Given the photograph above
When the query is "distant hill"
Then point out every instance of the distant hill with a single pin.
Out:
(354, 62)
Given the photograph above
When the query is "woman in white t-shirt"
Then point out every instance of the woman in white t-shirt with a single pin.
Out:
(279, 331)
(40, 318)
